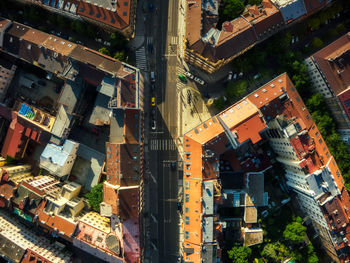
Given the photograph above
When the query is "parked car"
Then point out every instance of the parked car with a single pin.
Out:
(182, 78)
(153, 77)
(154, 127)
(199, 81)
(189, 75)
(153, 101)
(229, 76)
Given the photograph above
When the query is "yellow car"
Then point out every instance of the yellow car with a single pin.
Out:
(153, 101)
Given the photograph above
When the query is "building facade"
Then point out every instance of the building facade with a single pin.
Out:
(329, 73)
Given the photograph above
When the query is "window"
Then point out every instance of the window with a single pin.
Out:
(320, 141)
(187, 209)
(187, 198)
(317, 134)
(187, 220)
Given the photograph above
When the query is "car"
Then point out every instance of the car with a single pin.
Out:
(153, 125)
(153, 87)
(42, 83)
(58, 89)
(153, 101)
(182, 78)
(189, 75)
(199, 81)
(153, 77)
(173, 166)
(229, 76)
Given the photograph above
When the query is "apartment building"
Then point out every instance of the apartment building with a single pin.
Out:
(209, 49)
(329, 71)
(274, 115)
(112, 15)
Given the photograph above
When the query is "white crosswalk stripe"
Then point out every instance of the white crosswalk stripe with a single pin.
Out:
(173, 40)
(162, 145)
(141, 61)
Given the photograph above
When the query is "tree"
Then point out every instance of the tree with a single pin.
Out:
(104, 51)
(232, 9)
(95, 197)
(118, 41)
(120, 55)
(78, 27)
(239, 254)
(316, 43)
(277, 252)
(254, 2)
(295, 232)
(341, 28)
(236, 89)
(219, 103)
(314, 23)
(62, 22)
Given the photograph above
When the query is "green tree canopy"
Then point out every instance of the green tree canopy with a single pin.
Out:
(118, 41)
(277, 252)
(95, 197)
(78, 26)
(120, 55)
(316, 43)
(239, 254)
(295, 232)
(219, 103)
(314, 23)
(104, 51)
(232, 9)
(235, 89)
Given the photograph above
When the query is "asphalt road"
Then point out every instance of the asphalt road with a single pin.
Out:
(161, 25)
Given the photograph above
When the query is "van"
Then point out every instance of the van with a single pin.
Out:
(153, 78)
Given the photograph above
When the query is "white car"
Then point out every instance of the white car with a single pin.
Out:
(189, 75)
(198, 80)
(154, 127)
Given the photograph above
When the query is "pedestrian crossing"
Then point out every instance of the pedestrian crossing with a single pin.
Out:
(162, 145)
(173, 40)
(141, 61)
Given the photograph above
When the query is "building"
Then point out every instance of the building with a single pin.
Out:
(209, 48)
(7, 71)
(273, 115)
(21, 244)
(58, 160)
(291, 9)
(329, 73)
(111, 15)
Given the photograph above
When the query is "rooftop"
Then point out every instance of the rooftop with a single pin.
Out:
(334, 61)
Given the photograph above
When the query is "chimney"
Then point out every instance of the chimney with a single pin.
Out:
(228, 27)
(253, 10)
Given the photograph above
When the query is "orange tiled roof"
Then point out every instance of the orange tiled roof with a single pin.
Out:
(118, 19)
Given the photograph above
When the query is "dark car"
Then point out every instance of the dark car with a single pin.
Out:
(153, 86)
(179, 207)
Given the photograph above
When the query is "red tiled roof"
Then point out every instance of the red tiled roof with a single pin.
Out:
(118, 19)
(55, 223)
(13, 140)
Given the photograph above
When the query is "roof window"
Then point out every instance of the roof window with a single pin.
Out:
(124, 14)
(272, 85)
(125, 3)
